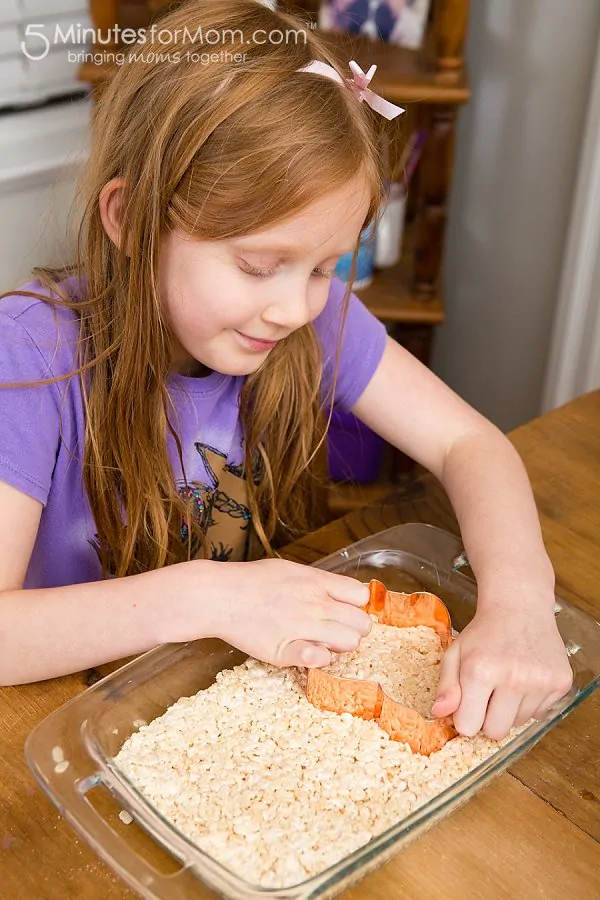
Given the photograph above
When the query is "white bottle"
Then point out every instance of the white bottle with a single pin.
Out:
(388, 238)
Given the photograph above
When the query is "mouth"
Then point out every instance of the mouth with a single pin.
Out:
(256, 344)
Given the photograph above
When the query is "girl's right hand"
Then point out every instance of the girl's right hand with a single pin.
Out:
(285, 613)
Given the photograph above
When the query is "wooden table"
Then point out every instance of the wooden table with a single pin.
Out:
(533, 833)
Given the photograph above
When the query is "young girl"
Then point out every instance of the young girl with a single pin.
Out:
(162, 399)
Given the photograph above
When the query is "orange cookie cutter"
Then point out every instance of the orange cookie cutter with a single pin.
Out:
(367, 699)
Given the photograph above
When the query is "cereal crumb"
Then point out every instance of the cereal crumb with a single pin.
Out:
(125, 817)
(61, 767)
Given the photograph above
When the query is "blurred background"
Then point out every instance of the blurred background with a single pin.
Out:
(485, 264)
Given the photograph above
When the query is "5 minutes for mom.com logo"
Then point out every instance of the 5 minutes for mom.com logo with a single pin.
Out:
(38, 41)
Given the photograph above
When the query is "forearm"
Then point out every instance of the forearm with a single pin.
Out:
(493, 500)
(54, 631)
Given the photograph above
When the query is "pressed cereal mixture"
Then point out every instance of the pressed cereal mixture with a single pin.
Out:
(277, 790)
(405, 662)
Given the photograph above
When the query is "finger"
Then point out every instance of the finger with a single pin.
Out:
(470, 715)
(348, 615)
(347, 590)
(528, 708)
(448, 693)
(336, 636)
(548, 701)
(501, 713)
(304, 653)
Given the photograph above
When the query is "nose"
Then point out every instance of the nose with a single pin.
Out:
(291, 307)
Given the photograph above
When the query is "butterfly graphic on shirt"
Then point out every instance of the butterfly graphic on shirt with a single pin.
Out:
(218, 504)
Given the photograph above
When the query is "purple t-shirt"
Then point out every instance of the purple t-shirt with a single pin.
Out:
(42, 428)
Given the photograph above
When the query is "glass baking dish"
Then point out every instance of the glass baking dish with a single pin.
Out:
(71, 751)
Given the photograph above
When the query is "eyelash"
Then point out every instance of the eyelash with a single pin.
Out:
(265, 273)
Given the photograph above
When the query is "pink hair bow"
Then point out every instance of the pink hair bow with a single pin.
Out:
(358, 84)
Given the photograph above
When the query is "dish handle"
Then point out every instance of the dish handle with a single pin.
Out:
(118, 852)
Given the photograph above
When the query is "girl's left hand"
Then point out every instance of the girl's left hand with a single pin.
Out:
(506, 667)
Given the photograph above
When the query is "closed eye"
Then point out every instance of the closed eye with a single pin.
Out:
(255, 271)
(259, 272)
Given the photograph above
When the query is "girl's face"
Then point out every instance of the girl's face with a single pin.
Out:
(230, 301)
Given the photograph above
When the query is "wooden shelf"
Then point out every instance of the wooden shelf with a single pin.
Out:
(95, 73)
(391, 299)
(403, 76)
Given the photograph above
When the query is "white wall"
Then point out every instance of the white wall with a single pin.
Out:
(40, 155)
(530, 67)
(574, 359)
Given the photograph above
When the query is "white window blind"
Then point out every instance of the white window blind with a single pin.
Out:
(39, 25)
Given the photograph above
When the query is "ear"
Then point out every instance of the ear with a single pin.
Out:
(111, 197)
